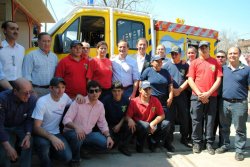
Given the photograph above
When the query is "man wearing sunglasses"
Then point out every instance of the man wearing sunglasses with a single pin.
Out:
(16, 107)
(79, 121)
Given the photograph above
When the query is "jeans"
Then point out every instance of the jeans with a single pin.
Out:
(46, 150)
(123, 137)
(95, 140)
(142, 132)
(238, 113)
(74, 143)
(203, 113)
(25, 158)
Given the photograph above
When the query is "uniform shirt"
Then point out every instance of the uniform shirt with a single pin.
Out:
(236, 83)
(159, 81)
(74, 74)
(12, 60)
(100, 70)
(39, 68)
(15, 113)
(204, 73)
(124, 70)
(139, 111)
(86, 116)
(50, 112)
(115, 110)
(177, 71)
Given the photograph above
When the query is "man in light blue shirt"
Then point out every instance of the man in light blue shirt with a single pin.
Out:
(125, 70)
(39, 65)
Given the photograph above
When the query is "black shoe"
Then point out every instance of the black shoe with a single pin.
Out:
(151, 144)
(221, 150)
(169, 147)
(85, 154)
(210, 149)
(239, 156)
(139, 148)
(186, 143)
(124, 151)
(74, 163)
(196, 148)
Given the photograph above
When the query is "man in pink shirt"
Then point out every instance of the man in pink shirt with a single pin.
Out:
(80, 119)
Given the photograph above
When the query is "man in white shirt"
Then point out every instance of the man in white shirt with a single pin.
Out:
(11, 53)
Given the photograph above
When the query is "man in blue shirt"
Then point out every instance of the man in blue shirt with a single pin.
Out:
(178, 70)
(236, 82)
(16, 107)
(115, 109)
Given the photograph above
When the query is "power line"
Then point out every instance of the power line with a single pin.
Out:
(53, 10)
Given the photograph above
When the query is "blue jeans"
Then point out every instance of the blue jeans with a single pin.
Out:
(25, 158)
(95, 140)
(74, 143)
(238, 113)
(46, 150)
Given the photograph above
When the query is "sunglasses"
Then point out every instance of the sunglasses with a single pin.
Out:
(220, 56)
(91, 91)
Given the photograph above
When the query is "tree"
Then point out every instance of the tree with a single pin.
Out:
(134, 5)
(227, 40)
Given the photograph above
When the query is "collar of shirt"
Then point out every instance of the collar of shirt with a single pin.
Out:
(6, 44)
(42, 52)
(241, 66)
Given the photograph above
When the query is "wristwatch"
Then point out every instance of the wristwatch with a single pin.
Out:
(107, 136)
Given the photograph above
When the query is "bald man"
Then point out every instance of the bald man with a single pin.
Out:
(16, 107)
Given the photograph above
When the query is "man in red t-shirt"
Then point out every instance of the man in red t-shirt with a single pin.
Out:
(145, 118)
(204, 77)
(73, 69)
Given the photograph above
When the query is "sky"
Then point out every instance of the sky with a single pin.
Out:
(230, 16)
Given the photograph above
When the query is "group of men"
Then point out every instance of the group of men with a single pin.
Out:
(130, 109)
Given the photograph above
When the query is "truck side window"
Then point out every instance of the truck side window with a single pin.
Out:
(92, 29)
(70, 34)
(130, 31)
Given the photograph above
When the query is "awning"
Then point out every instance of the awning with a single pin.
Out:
(38, 10)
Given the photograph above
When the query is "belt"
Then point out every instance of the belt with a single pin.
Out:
(37, 86)
(125, 88)
(234, 100)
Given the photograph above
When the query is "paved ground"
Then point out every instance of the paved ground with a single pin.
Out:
(183, 157)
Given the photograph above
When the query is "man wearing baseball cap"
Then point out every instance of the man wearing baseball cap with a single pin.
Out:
(73, 69)
(47, 116)
(204, 77)
(145, 118)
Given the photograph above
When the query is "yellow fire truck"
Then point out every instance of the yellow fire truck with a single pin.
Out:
(93, 24)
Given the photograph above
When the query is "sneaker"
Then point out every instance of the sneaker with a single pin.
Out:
(124, 151)
(186, 143)
(221, 150)
(196, 148)
(169, 147)
(239, 156)
(210, 149)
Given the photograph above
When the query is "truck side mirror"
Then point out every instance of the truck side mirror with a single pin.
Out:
(58, 44)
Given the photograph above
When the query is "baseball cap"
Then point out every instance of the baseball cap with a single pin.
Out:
(145, 84)
(74, 43)
(116, 85)
(204, 43)
(56, 80)
(156, 57)
(176, 49)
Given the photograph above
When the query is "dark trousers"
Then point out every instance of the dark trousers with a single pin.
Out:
(203, 113)
(123, 137)
(217, 118)
(169, 116)
(142, 132)
(180, 108)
